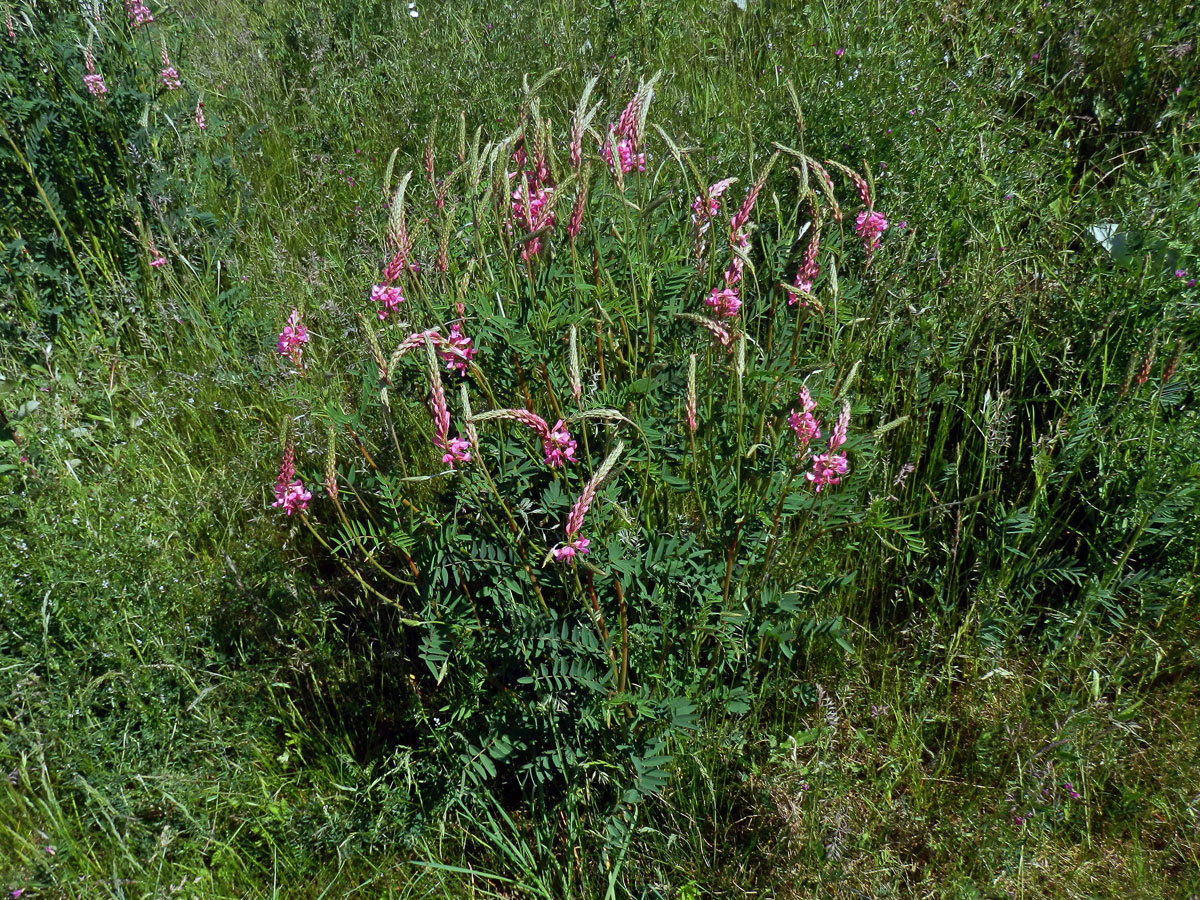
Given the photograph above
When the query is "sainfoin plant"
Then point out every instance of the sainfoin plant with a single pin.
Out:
(594, 454)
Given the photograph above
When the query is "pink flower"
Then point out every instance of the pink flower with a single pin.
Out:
(1181, 273)
(804, 423)
(293, 337)
(457, 451)
(626, 155)
(170, 78)
(456, 350)
(838, 437)
(93, 81)
(724, 302)
(869, 225)
(575, 224)
(95, 84)
(808, 271)
(839, 51)
(534, 217)
(568, 551)
(827, 469)
(705, 208)
(139, 14)
(292, 496)
(200, 122)
(558, 446)
(158, 262)
(389, 298)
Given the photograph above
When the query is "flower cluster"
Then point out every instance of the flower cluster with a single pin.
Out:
(574, 545)
(457, 449)
(724, 302)
(290, 493)
(138, 12)
(533, 200)
(803, 422)
(388, 296)
(200, 122)
(558, 446)
(624, 135)
(567, 552)
(93, 81)
(532, 210)
(809, 267)
(869, 225)
(829, 467)
(170, 77)
(293, 337)
(705, 208)
(456, 351)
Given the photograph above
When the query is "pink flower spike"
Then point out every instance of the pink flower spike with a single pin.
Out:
(827, 469)
(725, 302)
(558, 446)
(457, 451)
(95, 85)
(158, 262)
(389, 298)
(568, 552)
(293, 337)
(170, 78)
(139, 14)
(869, 226)
(456, 350)
(804, 423)
(838, 437)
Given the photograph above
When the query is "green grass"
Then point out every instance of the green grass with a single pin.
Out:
(194, 702)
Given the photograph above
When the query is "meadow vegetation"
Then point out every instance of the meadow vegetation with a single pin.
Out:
(424, 472)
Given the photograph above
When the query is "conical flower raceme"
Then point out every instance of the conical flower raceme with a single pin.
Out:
(558, 446)
(170, 77)
(809, 268)
(803, 422)
(389, 298)
(869, 225)
(293, 337)
(200, 121)
(138, 12)
(574, 545)
(838, 437)
(456, 351)
(828, 468)
(725, 302)
(457, 449)
(93, 81)
(290, 493)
